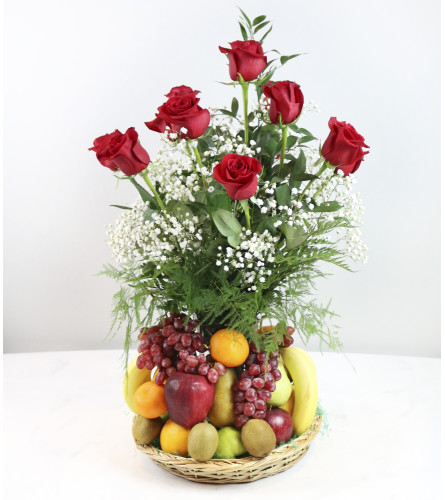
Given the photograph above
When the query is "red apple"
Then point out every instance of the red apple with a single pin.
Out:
(281, 423)
(189, 398)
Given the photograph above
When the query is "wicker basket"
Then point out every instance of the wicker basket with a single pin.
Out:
(241, 470)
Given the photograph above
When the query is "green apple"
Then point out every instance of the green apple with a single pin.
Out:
(229, 443)
(283, 388)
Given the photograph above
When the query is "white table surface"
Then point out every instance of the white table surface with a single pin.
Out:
(67, 433)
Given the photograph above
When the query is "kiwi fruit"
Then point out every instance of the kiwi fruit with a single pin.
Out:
(146, 429)
(258, 437)
(202, 441)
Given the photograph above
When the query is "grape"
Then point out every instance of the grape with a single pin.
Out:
(273, 363)
(197, 342)
(192, 361)
(157, 358)
(240, 420)
(168, 321)
(270, 386)
(178, 324)
(250, 394)
(244, 384)
(220, 369)
(190, 369)
(258, 383)
(244, 374)
(203, 369)
(160, 378)
(254, 369)
(249, 409)
(238, 396)
(276, 374)
(238, 408)
(173, 338)
(178, 346)
(186, 339)
(253, 347)
(180, 365)
(251, 359)
(290, 330)
(264, 395)
(212, 376)
(155, 349)
(260, 414)
(261, 356)
(260, 404)
(140, 362)
(265, 368)
(166, 363)
(168, 330)
(150, 364)
(201, 358)
(170, 371)
(183, 354)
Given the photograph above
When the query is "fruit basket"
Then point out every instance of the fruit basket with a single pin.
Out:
(240, 470)
(217, 263)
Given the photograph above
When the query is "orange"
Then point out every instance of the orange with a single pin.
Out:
(229, 347)
(174, 438)
(149, 400)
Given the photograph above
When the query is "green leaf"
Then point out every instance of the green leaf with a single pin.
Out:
(291, 141)
(243, 31)
(303, 131)
(235, 106)
(258, 20)
(306, 138)
(269, 224)
(264, 36)
(227, 225)
(178, 209)
(143, 192)
(122, 207)
(261, 26)
(294, 235)
(327, 206)
(218, 199)
(303, 177)
(282, 194)
(201, 197)
(148, 213)
(284, 59)
(245, 17)
(299, 166)
(226, 112)
(272, 147)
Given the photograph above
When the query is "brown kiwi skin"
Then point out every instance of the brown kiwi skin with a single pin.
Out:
(258, 437)
(202, 441)
(146, 429)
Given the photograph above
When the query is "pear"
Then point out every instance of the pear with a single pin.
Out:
(283, 387)
(221, 413)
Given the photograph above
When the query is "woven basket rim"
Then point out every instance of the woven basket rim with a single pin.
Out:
(298, 442)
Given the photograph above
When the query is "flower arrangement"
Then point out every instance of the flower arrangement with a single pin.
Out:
(234, 216)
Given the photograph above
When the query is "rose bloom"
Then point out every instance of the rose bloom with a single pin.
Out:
(344, 147)
(286, 99)
(246, 58)
(122, 152)
(181, 111)
(239, 175)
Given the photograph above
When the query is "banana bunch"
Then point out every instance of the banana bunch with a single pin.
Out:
(301, 369)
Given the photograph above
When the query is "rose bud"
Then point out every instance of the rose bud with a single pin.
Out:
(246, 58)
(344, 147)
(238, 174)
(122, 152)
(286, 99)
(181, 111)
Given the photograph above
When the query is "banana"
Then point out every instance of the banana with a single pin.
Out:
(133, 378)
(301, 368)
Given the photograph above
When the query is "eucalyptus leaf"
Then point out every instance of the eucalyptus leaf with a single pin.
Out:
(327, 206)
(235, 106)
(249, 23)
(228, 226)
(284, 59)
(243, 31)
(294, 235)
(264, 36)
(261, 26)
(258, 20)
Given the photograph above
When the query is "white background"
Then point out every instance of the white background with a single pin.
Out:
(75, 70)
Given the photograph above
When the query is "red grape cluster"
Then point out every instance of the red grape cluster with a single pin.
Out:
(257, 382)
(173, 346)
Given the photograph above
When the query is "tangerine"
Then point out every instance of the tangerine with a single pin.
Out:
(149, 400)
(174, 438)
(229, 347)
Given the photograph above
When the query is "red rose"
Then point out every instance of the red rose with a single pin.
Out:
(181, 111)
(238, 174)
(286, 99)
(122, 152)
(344, 147)
(246, 58)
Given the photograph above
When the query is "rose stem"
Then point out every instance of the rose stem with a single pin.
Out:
(152, 189)
(283, 146)
(245, 87)
(201, 166)
(245, 205)
(322, 169)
